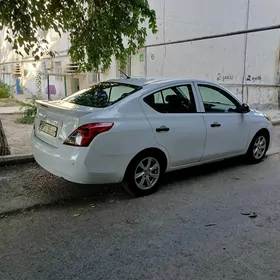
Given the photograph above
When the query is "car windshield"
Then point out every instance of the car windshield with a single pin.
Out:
(102, 95)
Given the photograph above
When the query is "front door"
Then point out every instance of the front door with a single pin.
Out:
(227, 130)
(176, 124)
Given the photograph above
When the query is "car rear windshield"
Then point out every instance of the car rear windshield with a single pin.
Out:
(102, 95)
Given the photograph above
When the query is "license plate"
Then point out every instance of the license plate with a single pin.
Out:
(48, 129)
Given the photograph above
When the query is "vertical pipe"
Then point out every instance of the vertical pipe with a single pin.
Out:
(146, 61)
(48, 84)
(10, 84)
(245, 50)
(65, 86)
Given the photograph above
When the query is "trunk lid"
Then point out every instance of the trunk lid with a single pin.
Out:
(56, 120)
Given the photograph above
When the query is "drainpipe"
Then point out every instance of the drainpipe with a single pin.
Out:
(10, 83)
(48, 84)
(65, 86)
(245, 53)
(146, 62)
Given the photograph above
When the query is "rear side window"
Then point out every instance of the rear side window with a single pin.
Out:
(102, 95)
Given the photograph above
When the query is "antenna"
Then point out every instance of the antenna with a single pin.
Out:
(124, 74)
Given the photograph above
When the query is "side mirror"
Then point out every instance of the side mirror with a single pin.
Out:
(244, 108)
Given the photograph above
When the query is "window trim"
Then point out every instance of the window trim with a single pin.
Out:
(221, 90)
(166, 87)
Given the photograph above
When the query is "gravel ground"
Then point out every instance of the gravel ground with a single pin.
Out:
(28, 185)
(191, 229)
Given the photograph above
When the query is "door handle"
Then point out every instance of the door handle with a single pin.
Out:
(163, 128)
(215, 124)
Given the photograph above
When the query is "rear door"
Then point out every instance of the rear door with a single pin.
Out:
(176, 125)
(227, 130)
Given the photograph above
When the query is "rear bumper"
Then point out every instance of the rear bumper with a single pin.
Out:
(74, 165)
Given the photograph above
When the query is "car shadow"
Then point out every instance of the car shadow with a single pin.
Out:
(115, 193)
(202, 170)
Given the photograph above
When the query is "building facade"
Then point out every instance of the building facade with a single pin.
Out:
(247, 64)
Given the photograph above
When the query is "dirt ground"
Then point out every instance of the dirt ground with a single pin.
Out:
(17, 134)
(9, 102)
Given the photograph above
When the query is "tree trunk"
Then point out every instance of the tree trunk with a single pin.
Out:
(4, 148)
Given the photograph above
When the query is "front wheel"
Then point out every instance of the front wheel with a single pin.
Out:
(258, 148)
(143, 175)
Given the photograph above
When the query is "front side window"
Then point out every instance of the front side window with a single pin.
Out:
(102, 95)
(216, 100)
(178, 99)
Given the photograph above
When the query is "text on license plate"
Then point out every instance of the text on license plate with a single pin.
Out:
(48, 129)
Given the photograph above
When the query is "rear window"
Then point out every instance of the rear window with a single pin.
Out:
(102, 95)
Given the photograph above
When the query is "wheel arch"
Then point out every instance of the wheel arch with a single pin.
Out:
(163, 157)
(264, 131)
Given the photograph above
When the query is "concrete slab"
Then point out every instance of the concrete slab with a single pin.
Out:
(10, 110)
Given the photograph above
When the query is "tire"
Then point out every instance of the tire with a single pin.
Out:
(143, 175)
(258, 148)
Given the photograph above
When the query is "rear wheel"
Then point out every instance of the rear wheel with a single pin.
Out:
(143, 175)
(258, 148)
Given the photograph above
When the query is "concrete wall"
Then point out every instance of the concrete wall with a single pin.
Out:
(222, 60)
(225, 60)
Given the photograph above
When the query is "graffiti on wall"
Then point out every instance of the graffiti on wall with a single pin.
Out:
(223, 78)
(231, 77)
(253, 79)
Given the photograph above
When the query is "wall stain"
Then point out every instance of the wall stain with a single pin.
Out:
(277, 72)
(277, 65)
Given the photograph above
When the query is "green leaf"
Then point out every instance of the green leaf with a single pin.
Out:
(97, 28)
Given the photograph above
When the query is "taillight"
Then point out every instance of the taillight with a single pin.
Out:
(84, 134)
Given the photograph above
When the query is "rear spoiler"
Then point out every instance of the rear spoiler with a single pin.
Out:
(66, 108)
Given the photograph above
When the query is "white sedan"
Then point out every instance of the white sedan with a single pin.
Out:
(135, 129)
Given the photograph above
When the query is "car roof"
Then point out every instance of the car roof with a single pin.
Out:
(143, 81)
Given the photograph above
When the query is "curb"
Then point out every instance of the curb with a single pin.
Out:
(10, 113)
(274, 123)
(16, 159)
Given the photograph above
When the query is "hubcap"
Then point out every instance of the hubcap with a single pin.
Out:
(259, 147)
(147, 173)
